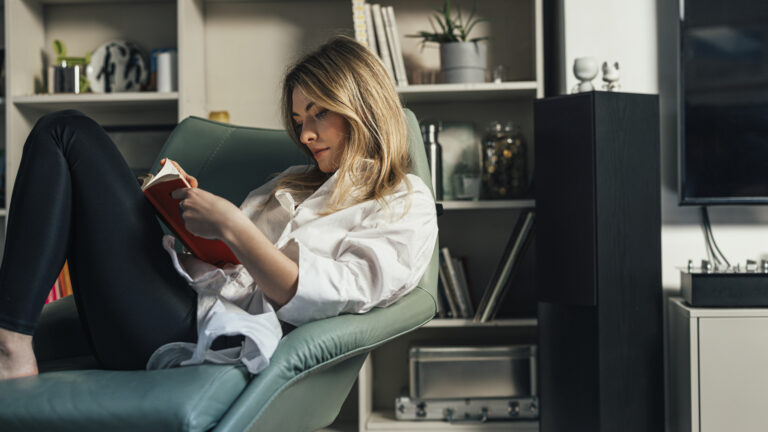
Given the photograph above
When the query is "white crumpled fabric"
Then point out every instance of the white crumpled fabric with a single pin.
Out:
(227, 305)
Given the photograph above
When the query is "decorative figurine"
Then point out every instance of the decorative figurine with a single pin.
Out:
(611, 76)
(585, 69)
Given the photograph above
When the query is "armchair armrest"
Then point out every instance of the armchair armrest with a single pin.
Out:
(316, 346)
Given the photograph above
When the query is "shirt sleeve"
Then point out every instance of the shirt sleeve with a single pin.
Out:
(376, 263)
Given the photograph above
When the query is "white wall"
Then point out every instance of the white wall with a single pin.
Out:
(642, 36)
(612, 30)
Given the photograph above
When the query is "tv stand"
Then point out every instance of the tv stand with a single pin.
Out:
(717, 375)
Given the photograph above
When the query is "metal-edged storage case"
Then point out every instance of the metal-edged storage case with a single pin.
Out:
(472, 372)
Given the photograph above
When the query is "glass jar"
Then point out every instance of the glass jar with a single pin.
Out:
(504, 155)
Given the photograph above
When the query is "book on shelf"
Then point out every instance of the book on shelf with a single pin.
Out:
(510, 260)
(381, 39)
(375, 26)
(457, 287)
(64, 280)
(463, 283)
(358, 21)
(54, 294)
(447, 291)
(158, 188)
(370, 32)
(396, 50)
(440, 302)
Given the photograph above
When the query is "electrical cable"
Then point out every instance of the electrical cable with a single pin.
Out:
(714, 243)
(711, 257)
(712, 237)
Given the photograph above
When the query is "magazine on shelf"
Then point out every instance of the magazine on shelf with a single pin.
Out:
(510, 260)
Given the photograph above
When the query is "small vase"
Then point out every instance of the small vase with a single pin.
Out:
(463, 62)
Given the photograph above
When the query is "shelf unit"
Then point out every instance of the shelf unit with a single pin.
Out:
(488, 204)
(463, 322)
(468, 92)
(230, 59)
(386, 422)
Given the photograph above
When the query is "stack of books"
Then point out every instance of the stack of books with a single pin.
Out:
(376, 28)
(62, 287)
(454, 300)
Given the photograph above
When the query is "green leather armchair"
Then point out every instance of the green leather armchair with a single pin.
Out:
(309, 376)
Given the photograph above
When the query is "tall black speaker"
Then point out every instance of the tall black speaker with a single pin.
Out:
(598, 262)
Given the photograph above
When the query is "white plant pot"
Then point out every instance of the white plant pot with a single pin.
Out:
(463, 62)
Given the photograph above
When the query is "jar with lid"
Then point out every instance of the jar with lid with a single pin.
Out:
(504, 156)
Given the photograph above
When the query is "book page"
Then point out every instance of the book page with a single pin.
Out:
(166, 173)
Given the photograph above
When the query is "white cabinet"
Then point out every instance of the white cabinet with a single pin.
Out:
(718, 378)
(232, 54)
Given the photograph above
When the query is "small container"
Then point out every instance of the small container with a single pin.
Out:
(219, 116)
(504, 162)
(434, 158)
(67, 78)
(472, 372)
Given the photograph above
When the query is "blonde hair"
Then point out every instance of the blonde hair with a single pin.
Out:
(344, 77)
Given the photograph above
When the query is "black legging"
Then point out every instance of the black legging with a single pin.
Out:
(75, 198)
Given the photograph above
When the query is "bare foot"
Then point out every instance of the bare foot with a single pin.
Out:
(16, 356)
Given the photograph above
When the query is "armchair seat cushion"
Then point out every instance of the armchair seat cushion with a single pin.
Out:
(183, 399)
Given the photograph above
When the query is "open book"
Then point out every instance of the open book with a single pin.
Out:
(157, 188)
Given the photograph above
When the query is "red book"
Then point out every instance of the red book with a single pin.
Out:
(158, 190)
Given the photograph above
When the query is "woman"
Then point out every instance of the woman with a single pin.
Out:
(350, 232)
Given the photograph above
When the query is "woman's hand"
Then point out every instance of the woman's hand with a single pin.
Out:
(210, 216)
(191, 180)
(205, 214)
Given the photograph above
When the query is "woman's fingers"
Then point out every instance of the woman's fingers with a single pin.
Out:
(190, 179)
(180, 194)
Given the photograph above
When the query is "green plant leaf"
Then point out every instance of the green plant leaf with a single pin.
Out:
(450, 28)
(59, 48)
(472, 25)
(443, 28)
(472, 14)
(448, 20)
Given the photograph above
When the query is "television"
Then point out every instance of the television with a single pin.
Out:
(723, 143)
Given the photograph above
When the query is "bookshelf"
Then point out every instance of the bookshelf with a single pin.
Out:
(231, 59)
(477, 230)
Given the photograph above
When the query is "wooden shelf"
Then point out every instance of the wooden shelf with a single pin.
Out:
(463, 322)
(468, 92)
(70, 2)
(385, 421)
(123, 100)
(488, 204)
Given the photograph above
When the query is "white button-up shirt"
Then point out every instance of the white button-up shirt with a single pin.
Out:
(364, 256)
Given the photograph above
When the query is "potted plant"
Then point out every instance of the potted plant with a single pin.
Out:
(462, 60)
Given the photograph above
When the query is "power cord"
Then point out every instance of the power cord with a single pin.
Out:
(712, 249)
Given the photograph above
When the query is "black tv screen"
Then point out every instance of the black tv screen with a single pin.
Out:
(723, 102)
